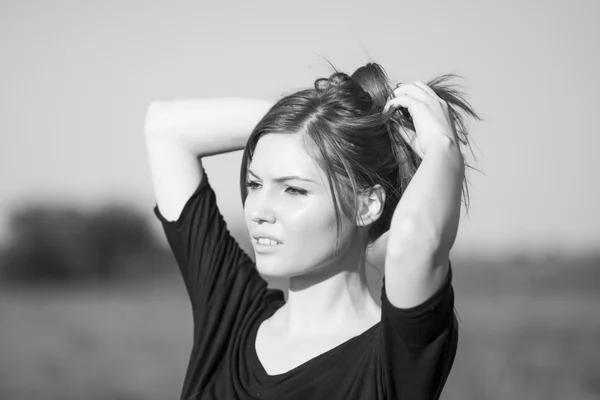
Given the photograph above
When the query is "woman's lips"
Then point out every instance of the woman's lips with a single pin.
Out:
(261, 248)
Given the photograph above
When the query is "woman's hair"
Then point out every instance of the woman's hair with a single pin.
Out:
(357, 146)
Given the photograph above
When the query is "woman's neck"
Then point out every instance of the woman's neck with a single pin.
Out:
(332, 296)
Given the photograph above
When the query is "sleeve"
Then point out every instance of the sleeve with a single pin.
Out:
(213, 265)
(418, 345)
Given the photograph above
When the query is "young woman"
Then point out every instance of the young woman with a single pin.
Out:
(325, 173)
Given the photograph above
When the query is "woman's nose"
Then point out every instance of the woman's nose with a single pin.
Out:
(262, 210)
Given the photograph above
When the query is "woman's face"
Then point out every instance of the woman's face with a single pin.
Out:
(298, 213)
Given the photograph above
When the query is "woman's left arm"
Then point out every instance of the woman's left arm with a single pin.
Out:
(425, 221)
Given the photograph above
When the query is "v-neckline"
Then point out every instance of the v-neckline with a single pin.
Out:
(266, 314)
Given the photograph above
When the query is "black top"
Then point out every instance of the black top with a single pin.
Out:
(407, 355)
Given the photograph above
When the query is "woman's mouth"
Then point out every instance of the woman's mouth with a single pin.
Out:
(266, 242)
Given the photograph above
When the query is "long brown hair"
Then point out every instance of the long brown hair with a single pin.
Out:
(357, 146)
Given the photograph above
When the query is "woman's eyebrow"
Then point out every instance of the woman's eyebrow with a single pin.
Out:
(284, 178)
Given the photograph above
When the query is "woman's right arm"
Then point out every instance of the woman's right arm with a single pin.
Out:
(179, 133)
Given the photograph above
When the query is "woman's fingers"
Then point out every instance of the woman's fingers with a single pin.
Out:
(413, 90)
(428, 90)
(401, 100)
(409, 136)
(428, 114)
(410, 94)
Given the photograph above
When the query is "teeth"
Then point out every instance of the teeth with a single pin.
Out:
(266, 241)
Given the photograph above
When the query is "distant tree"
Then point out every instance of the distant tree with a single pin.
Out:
(62, 243)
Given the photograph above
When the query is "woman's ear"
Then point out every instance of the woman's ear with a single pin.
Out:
(371, 203)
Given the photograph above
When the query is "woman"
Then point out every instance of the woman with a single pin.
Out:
(322, 176)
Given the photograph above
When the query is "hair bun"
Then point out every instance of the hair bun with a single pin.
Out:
(335, 79)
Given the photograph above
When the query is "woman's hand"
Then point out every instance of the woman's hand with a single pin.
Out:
(429, 113)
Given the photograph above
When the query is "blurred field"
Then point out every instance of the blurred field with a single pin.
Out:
(529, 330)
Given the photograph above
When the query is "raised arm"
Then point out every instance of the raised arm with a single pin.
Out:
(179, 133)
(425, 222)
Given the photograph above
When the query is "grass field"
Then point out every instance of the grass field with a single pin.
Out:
(527, 332)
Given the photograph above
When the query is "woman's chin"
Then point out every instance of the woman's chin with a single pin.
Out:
(272, 269)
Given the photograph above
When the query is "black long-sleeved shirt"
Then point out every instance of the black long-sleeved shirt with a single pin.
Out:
(407, 355)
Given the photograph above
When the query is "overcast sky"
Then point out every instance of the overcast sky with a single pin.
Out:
(75, 81)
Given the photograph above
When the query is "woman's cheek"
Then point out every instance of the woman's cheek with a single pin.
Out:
(313, 227)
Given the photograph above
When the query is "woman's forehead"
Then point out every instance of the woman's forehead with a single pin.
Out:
(279, 155)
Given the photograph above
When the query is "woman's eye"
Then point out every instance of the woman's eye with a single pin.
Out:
(290, 189)
(296, 191)
(251, 185)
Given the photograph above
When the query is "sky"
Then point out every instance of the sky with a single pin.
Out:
(77, 77)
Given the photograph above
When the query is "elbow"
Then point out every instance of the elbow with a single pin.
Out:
(154, 119)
